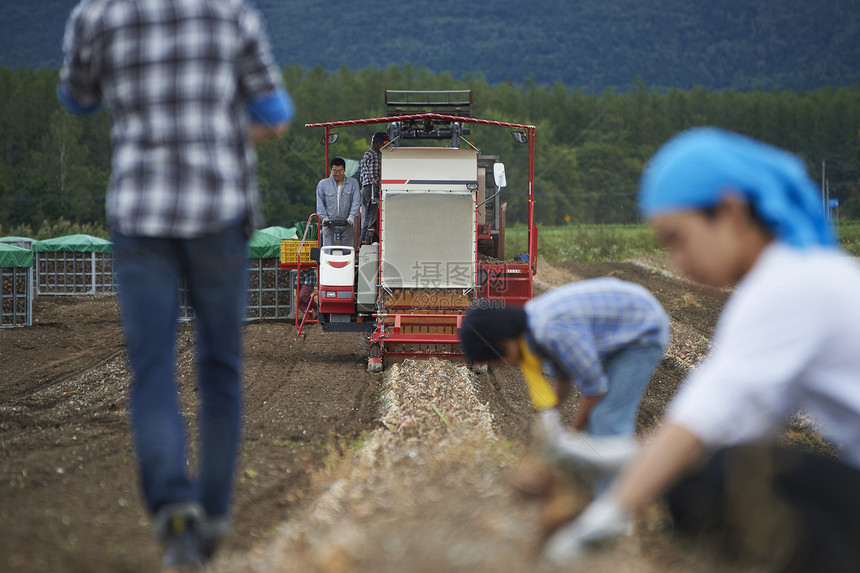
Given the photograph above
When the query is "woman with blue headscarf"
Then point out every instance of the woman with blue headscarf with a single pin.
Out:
(735, 212)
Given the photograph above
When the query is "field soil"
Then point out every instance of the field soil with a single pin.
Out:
(341, 470)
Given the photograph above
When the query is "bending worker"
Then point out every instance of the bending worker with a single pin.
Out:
(605, 335)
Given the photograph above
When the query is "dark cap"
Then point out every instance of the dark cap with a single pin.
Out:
(483, 331)
(380, 136)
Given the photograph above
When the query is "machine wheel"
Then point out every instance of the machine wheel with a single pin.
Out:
(374, 360)
(487, 247)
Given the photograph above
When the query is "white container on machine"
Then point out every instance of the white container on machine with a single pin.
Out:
(368, 271)
(337, 266)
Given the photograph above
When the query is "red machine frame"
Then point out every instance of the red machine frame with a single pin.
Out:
(511, 283)
(299, 266)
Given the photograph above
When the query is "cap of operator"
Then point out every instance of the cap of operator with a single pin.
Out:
(338, 200)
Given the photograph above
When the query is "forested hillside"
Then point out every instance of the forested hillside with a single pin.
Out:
(589, 44)
(590, 148)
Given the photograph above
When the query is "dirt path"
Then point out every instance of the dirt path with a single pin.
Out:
(68, 492)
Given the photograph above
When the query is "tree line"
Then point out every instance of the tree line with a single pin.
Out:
(591, 148)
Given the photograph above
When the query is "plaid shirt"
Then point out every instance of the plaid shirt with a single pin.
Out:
(174, 74)
(371, 167)
(575, 327)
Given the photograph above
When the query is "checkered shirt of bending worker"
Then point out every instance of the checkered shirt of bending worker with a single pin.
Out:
(576, 332)
(183, 166)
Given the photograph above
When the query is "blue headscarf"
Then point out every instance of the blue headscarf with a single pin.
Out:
(700, 167)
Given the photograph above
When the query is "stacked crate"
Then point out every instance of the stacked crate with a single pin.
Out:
(74, 265)
(16, 277)
(271, 289)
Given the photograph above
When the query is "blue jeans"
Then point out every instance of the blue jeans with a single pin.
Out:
(629, 371)
(368, 216)
(148, 271)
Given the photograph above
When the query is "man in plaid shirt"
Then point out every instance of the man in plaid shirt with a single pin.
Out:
(191, 86)
(371, 175)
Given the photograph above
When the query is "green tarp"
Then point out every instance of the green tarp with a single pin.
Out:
(281, 232)
(12, 256)
(266, 243)
(22, 242)
(74, 244)
(264, 246)
(312, 232)
(352, 168)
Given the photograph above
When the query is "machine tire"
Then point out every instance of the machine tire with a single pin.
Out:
(375, 353)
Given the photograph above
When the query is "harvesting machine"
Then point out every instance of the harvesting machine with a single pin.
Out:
(439, 246)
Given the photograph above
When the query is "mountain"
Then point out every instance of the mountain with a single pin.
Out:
(588, 44)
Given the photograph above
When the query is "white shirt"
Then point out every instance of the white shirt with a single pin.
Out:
(788, 339)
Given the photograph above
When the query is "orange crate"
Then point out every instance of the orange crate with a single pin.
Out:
(289, 248)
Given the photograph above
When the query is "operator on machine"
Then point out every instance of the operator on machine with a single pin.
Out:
(338, 199)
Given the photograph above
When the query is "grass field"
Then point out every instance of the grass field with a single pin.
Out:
(849, 236)
(615, 243)
(584, 243)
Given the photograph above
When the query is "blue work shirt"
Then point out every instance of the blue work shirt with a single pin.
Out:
(574, 328)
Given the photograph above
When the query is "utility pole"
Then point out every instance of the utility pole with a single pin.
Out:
(823, 190)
